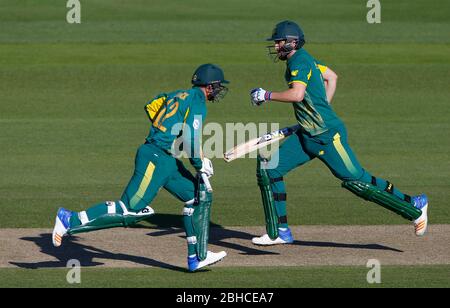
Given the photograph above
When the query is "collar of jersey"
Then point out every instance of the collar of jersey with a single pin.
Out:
(200, 92)
(295, 55)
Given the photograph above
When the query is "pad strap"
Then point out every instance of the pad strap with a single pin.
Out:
(111, 207)
(192, 240)
(374, 181)
(282, 219)
(279, 196)
(389, 187)
(408, 198)
(83, 217)
(274, 180)
(188, 211)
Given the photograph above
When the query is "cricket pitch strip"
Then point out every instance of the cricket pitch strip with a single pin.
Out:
(166, 248)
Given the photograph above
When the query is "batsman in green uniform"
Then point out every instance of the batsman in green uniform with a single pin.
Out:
(322, 135)
(175, 114)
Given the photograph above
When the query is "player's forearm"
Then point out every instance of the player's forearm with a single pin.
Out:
(193, 148)
(288, 96)
(196, 154)
(196, 163)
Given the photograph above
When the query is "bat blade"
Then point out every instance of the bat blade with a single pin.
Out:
(246, 148)
(258, 143)
(207, 183)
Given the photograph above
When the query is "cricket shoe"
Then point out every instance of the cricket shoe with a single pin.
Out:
(194, 263)
(284, 237)
(62, 224)
(421, 223)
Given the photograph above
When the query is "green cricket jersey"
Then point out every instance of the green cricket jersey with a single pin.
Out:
(172, 113)
(313, 113)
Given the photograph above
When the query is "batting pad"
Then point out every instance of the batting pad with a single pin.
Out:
(270, 213)
(373, 193)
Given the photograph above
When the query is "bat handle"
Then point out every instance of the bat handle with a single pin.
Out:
(207, 183)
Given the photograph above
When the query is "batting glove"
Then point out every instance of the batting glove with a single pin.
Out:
(207, 167)
(259, 96)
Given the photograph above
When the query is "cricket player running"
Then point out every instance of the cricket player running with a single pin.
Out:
(321, 135)
(171, 115)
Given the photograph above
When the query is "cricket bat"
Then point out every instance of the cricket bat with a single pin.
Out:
(260, 142)
(207, 183)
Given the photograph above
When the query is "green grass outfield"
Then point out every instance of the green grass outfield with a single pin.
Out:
(236, 277)
(71, 111)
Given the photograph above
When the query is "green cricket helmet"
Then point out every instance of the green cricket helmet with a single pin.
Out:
(290, 32)
(210, 76)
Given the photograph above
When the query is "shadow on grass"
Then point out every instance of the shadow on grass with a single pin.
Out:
(83, 253)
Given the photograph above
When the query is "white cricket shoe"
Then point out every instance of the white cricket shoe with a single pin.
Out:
(284, 237)
(62, 224)
(211, 257)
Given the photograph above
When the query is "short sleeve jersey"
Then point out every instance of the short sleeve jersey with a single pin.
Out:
(313, 113)
(181, 110)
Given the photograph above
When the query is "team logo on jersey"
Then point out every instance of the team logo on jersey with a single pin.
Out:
(294, 73)
(196, 124)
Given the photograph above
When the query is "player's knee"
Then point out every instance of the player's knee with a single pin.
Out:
(346, 175)
(123, 207)
(361, 176)
(366, 177)
(135, 215)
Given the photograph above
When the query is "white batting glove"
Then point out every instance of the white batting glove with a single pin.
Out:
(259, 96)
(207, 167)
